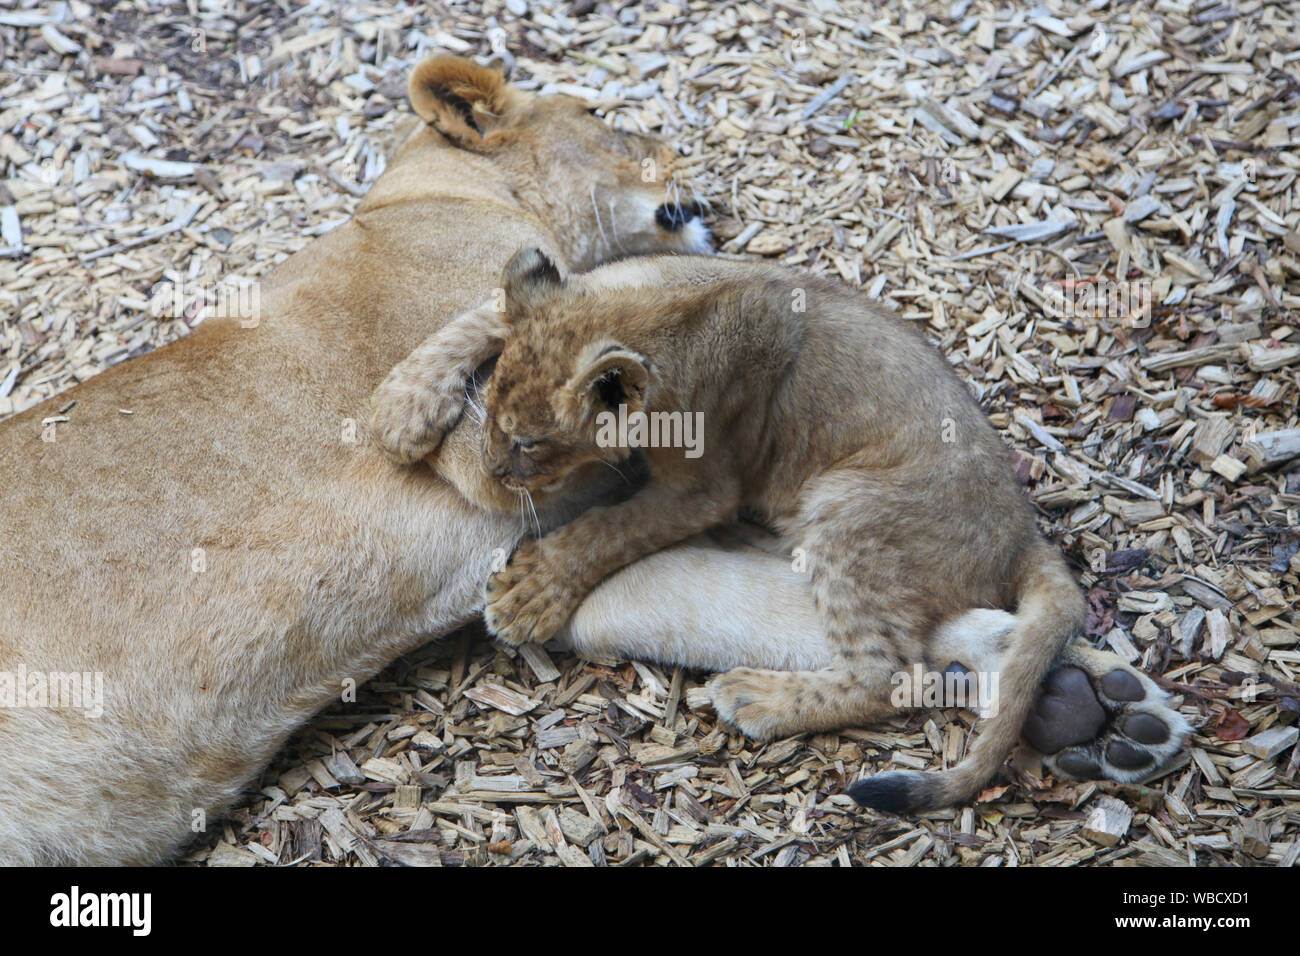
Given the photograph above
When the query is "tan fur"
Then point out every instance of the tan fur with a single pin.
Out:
(823, 413)
(321, 561)
(470, 104)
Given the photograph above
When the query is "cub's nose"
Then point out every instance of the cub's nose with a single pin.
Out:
(672, 216)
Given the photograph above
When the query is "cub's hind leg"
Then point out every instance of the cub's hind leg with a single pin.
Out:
(730, 598)
(874, 633)
(766, 704)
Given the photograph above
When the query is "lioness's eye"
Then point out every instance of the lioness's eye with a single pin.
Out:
(526, 444)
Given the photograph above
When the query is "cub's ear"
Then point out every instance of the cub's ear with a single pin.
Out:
(469, 104)
(611, 377)
(529, 277)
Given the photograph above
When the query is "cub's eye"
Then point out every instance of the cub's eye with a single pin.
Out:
(527, 444)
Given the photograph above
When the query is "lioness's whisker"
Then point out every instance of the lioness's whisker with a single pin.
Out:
(673, 196)
(702, 202)
(595, 207)
(613, 222)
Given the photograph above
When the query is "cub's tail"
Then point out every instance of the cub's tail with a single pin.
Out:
(1049, 611)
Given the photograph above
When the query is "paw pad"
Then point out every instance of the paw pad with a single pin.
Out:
(1066, 713)
(1121, 685)
(1146, 729)
(1127, 756)
(1079, 765)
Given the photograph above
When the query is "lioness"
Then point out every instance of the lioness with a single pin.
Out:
(217, 563)
(817, 410)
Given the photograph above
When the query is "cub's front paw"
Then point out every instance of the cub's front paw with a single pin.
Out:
(411, 417)
(527, 600)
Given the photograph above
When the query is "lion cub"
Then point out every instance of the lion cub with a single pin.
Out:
(746, 386)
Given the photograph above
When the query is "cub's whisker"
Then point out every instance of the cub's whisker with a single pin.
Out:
(537, 524)
(471, 391)
(616, 471)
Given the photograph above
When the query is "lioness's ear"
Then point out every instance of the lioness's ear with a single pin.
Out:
(613, 376)
(469, 104)
(528, 278)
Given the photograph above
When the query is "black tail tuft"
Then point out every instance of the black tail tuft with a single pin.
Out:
(894, 792)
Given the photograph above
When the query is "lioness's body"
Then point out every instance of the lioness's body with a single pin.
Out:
(234, 549)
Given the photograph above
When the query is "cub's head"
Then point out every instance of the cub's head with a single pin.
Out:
(605, 193)
(559, 371)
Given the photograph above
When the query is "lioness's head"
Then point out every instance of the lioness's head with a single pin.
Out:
(558, 372)
(604, 192)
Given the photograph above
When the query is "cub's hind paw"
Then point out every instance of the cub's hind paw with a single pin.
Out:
(1098, 717)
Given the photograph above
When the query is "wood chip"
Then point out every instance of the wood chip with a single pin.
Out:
(1271, 742)
(1108, 821)
(976, 171)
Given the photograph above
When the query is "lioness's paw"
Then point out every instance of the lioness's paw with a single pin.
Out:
(410, 418)
(527, 601)
(1098, 717)
(755, 702)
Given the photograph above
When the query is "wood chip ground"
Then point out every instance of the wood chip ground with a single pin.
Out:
(986, 168)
